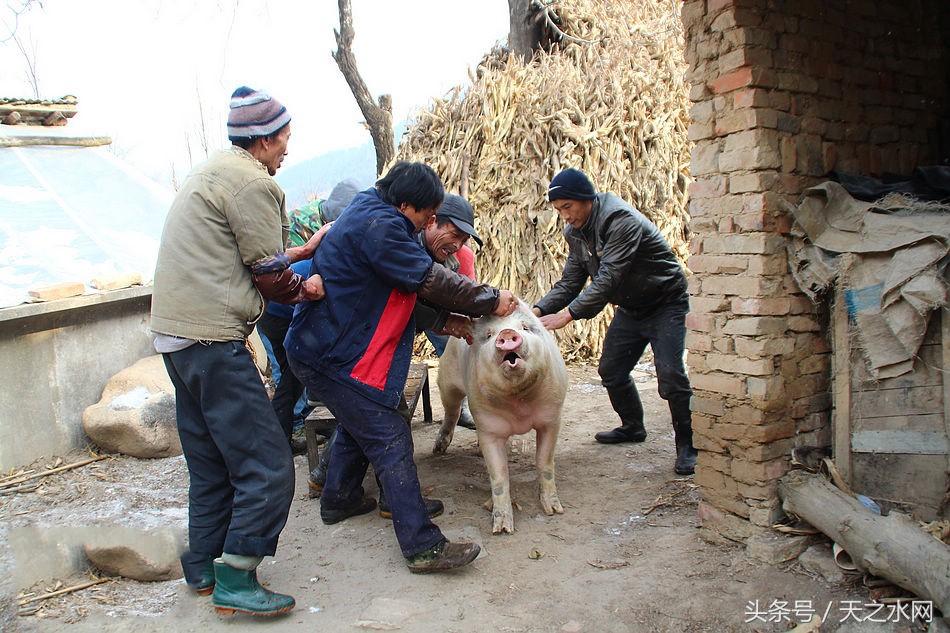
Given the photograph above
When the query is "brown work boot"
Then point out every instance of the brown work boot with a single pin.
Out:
(443, 557)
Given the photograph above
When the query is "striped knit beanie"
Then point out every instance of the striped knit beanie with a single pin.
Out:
(254, 113)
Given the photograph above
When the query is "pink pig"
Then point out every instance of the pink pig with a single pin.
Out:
(515, 380)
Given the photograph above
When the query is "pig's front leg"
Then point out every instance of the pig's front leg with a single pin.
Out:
(546, 440)
(452, 403)
(495, 452)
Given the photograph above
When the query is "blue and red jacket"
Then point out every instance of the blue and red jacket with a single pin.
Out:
(360, 334)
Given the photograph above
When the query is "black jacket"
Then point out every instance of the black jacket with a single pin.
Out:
(627, 259)
(429, 316)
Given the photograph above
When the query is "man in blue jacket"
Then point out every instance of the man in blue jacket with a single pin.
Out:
(353, 349)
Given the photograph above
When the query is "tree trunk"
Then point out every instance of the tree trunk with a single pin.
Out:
(379, 117)
(893, 547)
(525, 28)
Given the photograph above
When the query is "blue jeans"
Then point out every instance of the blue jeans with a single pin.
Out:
(369, 433)
(240, 469)
(439, 341)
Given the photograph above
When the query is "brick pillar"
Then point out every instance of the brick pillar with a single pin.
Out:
(758, 361)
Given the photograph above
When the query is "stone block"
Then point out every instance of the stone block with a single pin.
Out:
(729, 526)
(764, 347)
(696, 342)
(752, 182)
(755, 326)
(761, 306)
(766, 389)
(731, 81)
(724, 345)
(739, 365)
(698, 131)
(710, 187)
(718, 383)
(704, 159)
(700, 322)
(717, 264)
(774, 548)
(752, 244)
(710, 405)
(117, 282)
(127, 562)
(56, 291)
(754, 472)
(708, 304)
(818, 559)
(776, 264)
(136, 414)
(739, 285)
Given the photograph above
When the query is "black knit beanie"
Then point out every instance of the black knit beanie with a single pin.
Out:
(572, 184)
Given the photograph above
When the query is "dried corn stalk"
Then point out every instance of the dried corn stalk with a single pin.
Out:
(616, 108)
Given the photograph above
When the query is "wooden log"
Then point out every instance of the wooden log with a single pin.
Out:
(893, 547)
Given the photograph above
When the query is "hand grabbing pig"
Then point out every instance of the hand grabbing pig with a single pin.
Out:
(515, 380)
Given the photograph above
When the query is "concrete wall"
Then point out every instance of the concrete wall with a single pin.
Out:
(55, 359)
(785, 91)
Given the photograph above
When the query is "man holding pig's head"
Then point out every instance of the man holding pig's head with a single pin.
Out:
(352, 351)
(631, 266)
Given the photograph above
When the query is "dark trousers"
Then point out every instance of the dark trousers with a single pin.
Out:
(627, 338)
(240, 468)
(369, 433)
(289, 389)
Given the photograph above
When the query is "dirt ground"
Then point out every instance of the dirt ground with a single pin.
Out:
(625, 556)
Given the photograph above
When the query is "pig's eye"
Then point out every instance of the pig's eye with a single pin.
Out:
(488, 335)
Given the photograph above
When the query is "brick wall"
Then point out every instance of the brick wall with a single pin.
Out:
(783, 92)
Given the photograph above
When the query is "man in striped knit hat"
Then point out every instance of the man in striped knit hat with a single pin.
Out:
(222, 255)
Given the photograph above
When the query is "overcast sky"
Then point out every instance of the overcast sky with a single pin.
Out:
(139, 66)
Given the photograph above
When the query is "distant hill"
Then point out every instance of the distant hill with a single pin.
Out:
(316, 176)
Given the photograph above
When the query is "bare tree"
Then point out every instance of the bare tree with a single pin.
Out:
(12, 10)
(202, 126)
(525, 26)
(29, 59)
(379, 117)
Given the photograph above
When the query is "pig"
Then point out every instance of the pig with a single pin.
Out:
(515, 380)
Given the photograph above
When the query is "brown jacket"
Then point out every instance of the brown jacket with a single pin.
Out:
(229, 214)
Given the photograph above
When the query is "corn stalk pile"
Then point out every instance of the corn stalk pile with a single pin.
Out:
(610, 99)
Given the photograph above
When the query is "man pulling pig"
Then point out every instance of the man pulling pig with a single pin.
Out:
(353, 349)
(630, 265)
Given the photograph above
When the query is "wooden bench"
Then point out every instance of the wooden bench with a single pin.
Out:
(321, 422)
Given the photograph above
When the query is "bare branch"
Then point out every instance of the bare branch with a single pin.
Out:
(379, 118)
(29, 56)
(16, 9)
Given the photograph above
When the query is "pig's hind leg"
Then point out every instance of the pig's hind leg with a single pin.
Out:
(546, 441)
(452, 403)
(495, 453)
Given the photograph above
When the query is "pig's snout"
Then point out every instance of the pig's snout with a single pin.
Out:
(508, 340)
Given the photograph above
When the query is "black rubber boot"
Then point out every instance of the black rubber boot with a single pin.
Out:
(466, 421)
(318, 476)
(683, 430)
(434, 507)
(205, 583)
(335, 515)
(626, 402)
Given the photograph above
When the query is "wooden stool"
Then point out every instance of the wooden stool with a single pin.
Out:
(321, 421)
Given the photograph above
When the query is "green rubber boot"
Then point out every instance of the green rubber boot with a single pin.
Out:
(237, 590)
